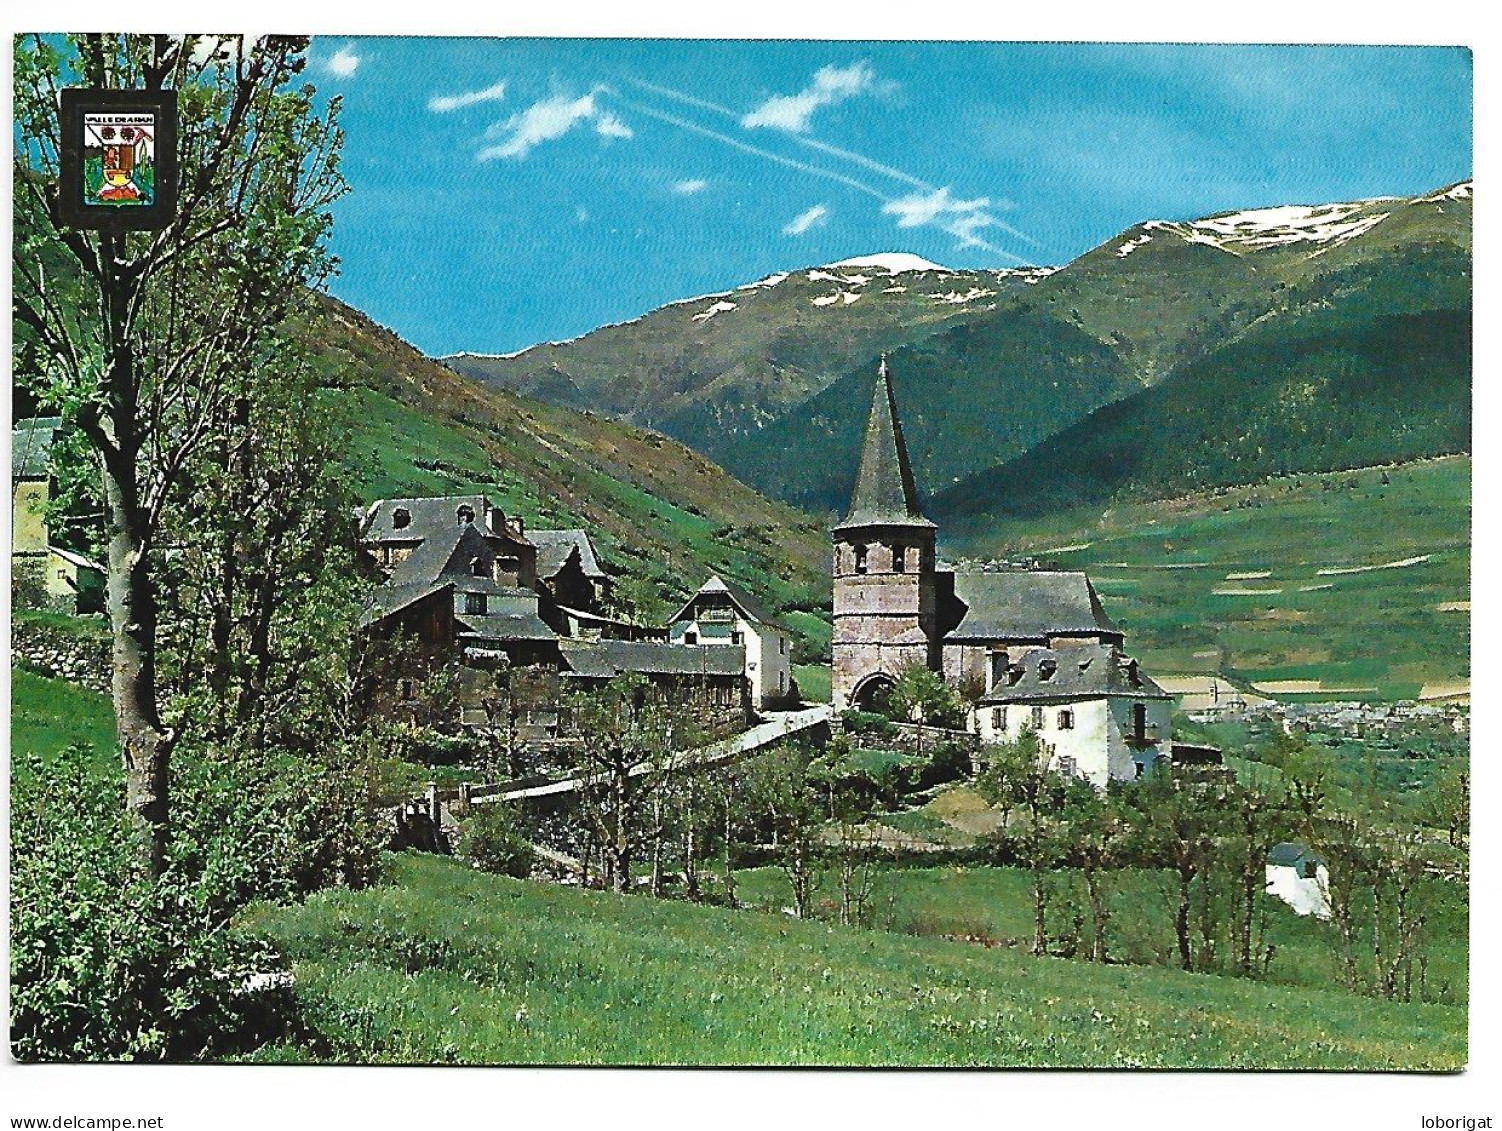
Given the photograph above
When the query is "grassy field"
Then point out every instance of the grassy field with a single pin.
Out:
(1359, 586)
(48, 715)
(444, 964)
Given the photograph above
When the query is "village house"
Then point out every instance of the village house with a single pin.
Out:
(518, 617)
(722, 615)
(1033, 649)
(1297, 875)
(59, 576)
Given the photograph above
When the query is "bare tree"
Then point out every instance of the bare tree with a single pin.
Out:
(146, 339)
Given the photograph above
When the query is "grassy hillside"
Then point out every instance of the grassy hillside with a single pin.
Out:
(444, 964)
(48, 715)
(1282, 581)
(1368, 365)
(665, 517)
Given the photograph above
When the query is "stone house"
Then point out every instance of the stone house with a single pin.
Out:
(722, 615)
(1031, 648)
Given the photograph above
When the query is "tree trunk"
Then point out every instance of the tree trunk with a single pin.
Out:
(729, 864)
(1181, 917)
(1099, 914)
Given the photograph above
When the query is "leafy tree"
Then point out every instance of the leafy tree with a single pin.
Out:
(789, 787)
(1015, 776)
(494, 840)
(1097, 833)
(149, 341)
(920, 695)
(1448, 803)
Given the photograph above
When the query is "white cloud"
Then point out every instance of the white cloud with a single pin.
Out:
(814, 217)
(960, 218)
(344, 62)
(792, 112)
(688, 188)
(443, 103)
(549, 120)
(608, 125)
(581, 214)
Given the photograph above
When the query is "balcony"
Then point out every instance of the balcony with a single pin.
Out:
(1144, 736)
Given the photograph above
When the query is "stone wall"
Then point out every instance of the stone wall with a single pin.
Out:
(79, 657)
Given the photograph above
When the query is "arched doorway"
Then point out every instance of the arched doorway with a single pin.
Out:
(871, 693)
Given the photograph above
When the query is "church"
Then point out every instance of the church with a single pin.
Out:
(1032, 649)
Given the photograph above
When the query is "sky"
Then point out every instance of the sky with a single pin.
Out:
(510, 191)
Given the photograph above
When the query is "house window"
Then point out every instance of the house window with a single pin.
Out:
(1066, 720)
(736, 637)
(401, 518)
(476, 567)
(691, 638)
(1141, 769)
(782, 645)
(465, 515)
(1139, 720)
(407, 689)
(899, 559)
(999, 718)
(999, 661)
(1046, 669)
(474, 604)
(1037, 718)
(860, 559)
(1067, 766)
(782, 683)
(1309, 870)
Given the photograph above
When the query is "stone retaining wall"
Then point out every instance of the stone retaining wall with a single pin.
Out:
(81, 658)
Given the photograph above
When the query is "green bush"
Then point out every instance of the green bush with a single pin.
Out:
(866, 722)
(494, 841)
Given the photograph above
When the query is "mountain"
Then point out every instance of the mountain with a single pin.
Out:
(711, 368)
(1365, 358)
(990, 364)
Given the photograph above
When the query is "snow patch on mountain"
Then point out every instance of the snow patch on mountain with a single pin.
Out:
(1461, 191)
(1283, 226)
(718, 308)
(768, 282)
(956, 298)
(893, 262)
(1130, 246)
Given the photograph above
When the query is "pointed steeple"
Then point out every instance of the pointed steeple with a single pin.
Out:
(885, 493)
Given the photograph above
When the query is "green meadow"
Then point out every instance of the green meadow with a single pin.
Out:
(1339, 579)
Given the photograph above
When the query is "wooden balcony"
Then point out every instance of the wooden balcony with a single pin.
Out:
(1144, 736)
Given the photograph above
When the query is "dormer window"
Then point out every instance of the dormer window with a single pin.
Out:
(505, 566)
(465, 515)
(1133, 675)
(476, 567)
(401, 518)
(999, 664)
(1046, 669)
(899, 559)
(860, 558)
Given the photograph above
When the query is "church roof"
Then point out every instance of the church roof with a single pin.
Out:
(885, 494)
(1025, 605)
(1090, 671)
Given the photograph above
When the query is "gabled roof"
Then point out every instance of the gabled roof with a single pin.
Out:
(512, 624)
(554, 547)
(750, 608)
(31, 446)
(885, 493)
(388, 599)
(1025, 605)
(76, 559)
(603, 659)
(1289, 854)
(447, 555)
(1090, 671)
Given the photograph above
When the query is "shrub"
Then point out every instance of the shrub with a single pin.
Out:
(494, 841)
(867, 722)
(107, 964)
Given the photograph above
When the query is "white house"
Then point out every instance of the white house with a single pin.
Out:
(1297, 875)
(721, 613)
(1097, 714)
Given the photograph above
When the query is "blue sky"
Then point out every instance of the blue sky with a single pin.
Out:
(506, 192)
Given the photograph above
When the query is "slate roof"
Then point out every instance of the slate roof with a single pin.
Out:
(885, 493)
(503, 626)
(387, 599)
(602, 659)
(1289, 854)
(429, 516)
(752, 609)
(1090, 671)
(555, 546)
(31, 446)
(447, 555)
(1025, 605)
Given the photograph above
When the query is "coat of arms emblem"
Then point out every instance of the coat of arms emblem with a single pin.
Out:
(119, 160)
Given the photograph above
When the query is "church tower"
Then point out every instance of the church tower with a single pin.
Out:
(885, 591)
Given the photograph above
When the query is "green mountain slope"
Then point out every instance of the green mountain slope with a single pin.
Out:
(1369, 364)
(665, 516)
